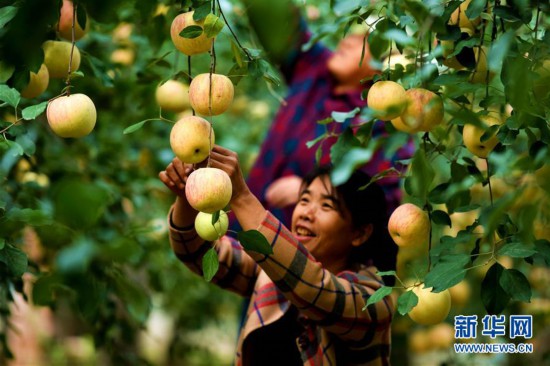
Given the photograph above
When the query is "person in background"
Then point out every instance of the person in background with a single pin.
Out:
(319, 82)
(308, 297)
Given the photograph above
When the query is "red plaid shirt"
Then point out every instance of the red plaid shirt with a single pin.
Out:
(330, 306)
(311, 98)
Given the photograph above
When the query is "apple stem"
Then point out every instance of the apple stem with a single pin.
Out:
(68, 81)
(233, 33)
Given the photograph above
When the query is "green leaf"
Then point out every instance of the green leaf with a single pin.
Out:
(14, 259)
(201, 11)
(43, 289)
(29, 216)
(447, 272)
(422, 175)
(77, 257)
(406, 302)
(352, 159)
(14, 147)
(399, 36)
(6, 71)
(215, 217)
(9, 95)
(237, 54)
(255, 241)
(2, 243)
(378, 295)
(543, 248)
(29, 148)
(441, 218)
(343, 116)
(489, 132)
(516, 285)
(346, 142)
(210, 264)
(213, 25)
(34, 111)
(493, 296)
(312, 143)
(135, 127)
(516, 250)
(191, 31)
(499, 50)
(7, 13)
(386, 273)
(134, 297)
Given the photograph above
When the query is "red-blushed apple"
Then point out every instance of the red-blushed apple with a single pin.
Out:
(409, 225)
(56, 58)
(471, 136)
(191, 139)
(387, 99)
(432, 307)
(207, 231)
(222, 92)
(173, 96)
(38, 83)
(189, 46)
(424, 110)
(71, 115)
(208, 189)
(65, 25)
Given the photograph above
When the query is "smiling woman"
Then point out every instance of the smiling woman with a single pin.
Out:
(308, 295)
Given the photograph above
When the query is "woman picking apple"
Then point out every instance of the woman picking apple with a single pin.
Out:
(308, 295)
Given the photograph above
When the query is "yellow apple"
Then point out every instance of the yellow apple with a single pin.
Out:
(409, 225)
(219, 87)
(432, 308)
(458, 17)
(123, 56)
(56, 57)
(71, 115)
(402, 126)
(208, 189)
(173, 96)
(419, 341)
(65, 25)
(191, 139)
(479, 75)
(207, 231)
(38, 83)
(472, 137)
(388, 99)
(460, 293)
(189, 46)
(424, 110)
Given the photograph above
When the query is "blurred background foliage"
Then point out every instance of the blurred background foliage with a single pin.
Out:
(86, 273)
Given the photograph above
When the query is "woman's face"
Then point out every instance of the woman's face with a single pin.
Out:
(344, 62)
(324, 229)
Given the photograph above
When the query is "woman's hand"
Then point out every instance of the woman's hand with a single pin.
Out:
(228, 161)
(175, 176)
(284, 191)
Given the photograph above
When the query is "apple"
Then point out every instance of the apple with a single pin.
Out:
(56, 57)
(432, 308)
(207, 231)
(121, 34)
(123, 56)
(173, 96)
(219, 87)
(65, 25)
(424, 110)
(71, 115)
(208, 189)
(441, 336)
(479, 75)
(419, 341)
(387, 99)
(409, 226)
(189, 46)
(38, 83)
(458, 17)
(460, 293)
(472, 137)
(191, 139)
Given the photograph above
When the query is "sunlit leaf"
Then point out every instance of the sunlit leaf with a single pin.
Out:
(210, 264)
(378, 295)
(33, 111)
(213, 25)
(7, 13)
(516, 250)
(406, 302)
(446, 273)
(9, 95)
(343, 116)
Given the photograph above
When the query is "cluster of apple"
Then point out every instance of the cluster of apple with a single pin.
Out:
(192, 138)
(68, 115)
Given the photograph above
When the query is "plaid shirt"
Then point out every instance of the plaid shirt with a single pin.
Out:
(330, 306)
(311, 98)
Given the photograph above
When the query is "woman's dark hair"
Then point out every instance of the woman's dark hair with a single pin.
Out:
(367, 205)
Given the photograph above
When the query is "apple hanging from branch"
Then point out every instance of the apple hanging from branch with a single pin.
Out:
(387, 99)
(191, 139)
(71, 115)
(189, 46)
(409, 225)
(208, 189)
(173, 96)
(38, 83)
(209, 231)
(207, 85)
(56, 58)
